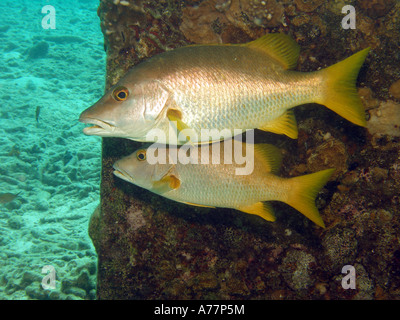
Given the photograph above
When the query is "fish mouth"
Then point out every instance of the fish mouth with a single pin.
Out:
(121, 173)
(98, 128)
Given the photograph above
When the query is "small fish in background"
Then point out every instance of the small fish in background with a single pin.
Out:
(7, 197)
(218, 185)
(14, 152)
(37, 114)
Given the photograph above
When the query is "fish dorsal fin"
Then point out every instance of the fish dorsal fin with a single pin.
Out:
(279, 46)
(262, 209)
(167, 183)
(285, 124)
(271, 156)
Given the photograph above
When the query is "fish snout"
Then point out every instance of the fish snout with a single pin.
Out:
(99, 127)
(120, 173)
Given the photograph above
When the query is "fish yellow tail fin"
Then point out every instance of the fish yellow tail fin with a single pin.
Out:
(340, 94)
(304, 190)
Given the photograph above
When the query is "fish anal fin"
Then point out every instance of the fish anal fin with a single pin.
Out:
(280, 47)
(261, 209)
(167, 183)
(271, 156)
(285, 124)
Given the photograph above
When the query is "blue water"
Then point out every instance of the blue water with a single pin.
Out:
(46, 159)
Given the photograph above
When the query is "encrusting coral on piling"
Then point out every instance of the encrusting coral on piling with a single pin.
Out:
(178, 252)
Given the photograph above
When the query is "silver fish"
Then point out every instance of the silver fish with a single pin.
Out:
(218, 87)
(200, 182)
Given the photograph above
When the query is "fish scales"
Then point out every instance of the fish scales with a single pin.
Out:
(204, 183)
(220, 87)
(200, 184)
(232, 80)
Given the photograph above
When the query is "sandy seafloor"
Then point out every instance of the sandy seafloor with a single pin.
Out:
(54, 166)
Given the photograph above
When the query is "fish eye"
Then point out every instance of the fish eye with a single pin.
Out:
(141, 155)
(120, 93)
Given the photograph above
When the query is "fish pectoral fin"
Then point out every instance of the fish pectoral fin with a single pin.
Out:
(280, 47)
(285, 124)
(175, 117)
(262, 209)
(167, 183)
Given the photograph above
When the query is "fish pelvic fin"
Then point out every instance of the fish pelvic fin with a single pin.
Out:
(285, 124)
(261, 209)
(303, 192)
(278, 46)
(340, 88)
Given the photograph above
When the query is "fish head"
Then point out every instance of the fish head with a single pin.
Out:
(130, 109)
(145, 167)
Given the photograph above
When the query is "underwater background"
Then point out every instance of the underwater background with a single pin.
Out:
(47, 77)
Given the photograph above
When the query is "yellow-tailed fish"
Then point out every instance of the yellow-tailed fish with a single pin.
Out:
(219, 185)
(223, 86)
